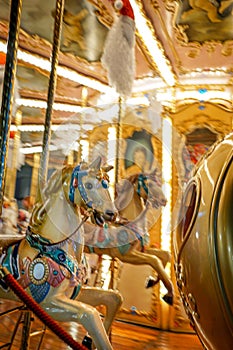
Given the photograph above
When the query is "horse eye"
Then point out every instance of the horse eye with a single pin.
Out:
(88, 185)
(104, 184)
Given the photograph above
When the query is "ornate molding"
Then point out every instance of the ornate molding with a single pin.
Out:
(102, 13)
(41, 47)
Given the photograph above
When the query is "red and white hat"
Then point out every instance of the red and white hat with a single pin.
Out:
(124, 7)
(118, 57)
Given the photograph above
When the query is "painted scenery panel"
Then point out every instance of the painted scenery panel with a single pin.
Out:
(205, 20)
(82, 33)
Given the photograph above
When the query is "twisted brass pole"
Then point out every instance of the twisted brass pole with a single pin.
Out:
(51, 91)
(8, 89)
(118, 140)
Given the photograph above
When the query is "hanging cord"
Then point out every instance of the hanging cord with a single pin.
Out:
(38, 311)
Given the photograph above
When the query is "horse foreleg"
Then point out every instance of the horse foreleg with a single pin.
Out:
(111, 299)
(163, 255)
(137, 258)
(64, 309)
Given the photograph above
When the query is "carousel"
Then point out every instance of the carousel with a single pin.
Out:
(115, 175)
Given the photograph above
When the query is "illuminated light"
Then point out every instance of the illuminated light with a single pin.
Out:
(140, 100)
(43, 105)
(70, 74)
(202, 91)
(109, 98)
(166, 226)
(36, 149)
(194, 95)
(85, 149)
(148, 84)
(40, 127)
(152, 45)
(106, 271)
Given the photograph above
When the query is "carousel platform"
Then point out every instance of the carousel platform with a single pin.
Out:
(124, 336)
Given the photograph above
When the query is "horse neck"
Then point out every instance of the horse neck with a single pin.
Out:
(60, 221)
(134, 208)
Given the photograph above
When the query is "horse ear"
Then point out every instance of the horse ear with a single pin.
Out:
(95, 165)
(133, 178)
(152, 172)
(107, 168)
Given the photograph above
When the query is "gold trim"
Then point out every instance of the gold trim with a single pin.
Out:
(40, 47)
(145, 50)
(102, 13)
(169, 40)
(31, 271)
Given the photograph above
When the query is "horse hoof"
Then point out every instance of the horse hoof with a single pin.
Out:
(151, 281)
(87, 342)
(168, 299)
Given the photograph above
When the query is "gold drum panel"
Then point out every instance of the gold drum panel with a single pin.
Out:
(204, 247)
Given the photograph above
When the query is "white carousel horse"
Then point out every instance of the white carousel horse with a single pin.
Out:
(48, 261)
(125, 240)
(13, 221)
(9, 229)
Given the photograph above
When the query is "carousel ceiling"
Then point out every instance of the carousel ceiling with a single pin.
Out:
(181, 47)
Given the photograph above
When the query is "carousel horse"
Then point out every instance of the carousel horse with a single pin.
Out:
(13, 221)
(48, 261)
(9, 230)
(125, 239)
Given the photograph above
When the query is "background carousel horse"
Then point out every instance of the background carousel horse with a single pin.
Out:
(9, 229)
(48, 261)
(125, 240)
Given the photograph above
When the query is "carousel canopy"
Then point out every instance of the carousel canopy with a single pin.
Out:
(183, 51)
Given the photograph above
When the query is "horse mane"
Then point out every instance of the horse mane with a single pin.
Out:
(52, 187)
(57, 179)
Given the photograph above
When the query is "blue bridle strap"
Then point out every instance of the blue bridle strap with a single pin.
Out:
(142, 184)
(78, 174)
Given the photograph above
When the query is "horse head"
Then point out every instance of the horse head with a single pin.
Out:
(72, 190)
(144, 186)
(156, 196)
(89, 188)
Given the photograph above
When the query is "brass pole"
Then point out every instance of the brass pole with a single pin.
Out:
(118, 140)
(11, 177)
(34, 180)
(112, 282)
(8, 89)
(51, 91)
(84, 97)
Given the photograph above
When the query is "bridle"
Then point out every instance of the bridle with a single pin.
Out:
(142, 184)
(43, 244)
(76, 182)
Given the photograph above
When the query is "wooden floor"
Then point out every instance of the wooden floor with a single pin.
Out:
(124, 336)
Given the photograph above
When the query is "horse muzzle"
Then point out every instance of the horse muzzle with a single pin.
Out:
(110, 215)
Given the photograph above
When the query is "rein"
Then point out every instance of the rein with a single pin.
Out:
(142, 184)
(44, 244)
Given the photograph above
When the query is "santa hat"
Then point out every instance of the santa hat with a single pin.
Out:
(119, 51)
(124, 7)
